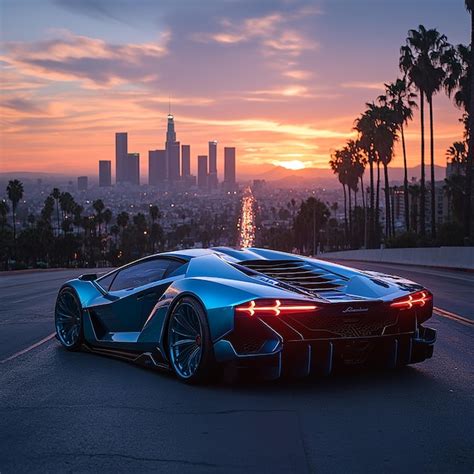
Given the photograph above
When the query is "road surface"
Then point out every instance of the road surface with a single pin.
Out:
(77, 412)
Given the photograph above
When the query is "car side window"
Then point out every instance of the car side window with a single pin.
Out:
(106, 280)
(143, 273)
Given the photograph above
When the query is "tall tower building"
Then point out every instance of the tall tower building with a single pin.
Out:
(213, 181)
(82, 183)
(105, 173)
(172, 151)
(157, 167)
(133, 168)
(121, 150)
(202, 171)
(185, 160)
(229, 167)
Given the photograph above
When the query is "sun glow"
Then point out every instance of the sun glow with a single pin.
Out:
(291, 165)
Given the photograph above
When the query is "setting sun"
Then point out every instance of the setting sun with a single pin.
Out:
(291, 165)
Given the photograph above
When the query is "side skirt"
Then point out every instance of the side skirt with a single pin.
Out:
(145, 359)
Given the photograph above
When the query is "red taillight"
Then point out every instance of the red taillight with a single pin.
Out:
(273, 307)
(420, 298)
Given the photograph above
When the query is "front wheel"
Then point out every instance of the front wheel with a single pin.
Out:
(189, 342)
(68, 319)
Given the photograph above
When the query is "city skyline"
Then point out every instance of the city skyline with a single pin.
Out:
(170, 166)
(287, 78)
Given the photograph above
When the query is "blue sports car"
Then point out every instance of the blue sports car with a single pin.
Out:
(257, 310)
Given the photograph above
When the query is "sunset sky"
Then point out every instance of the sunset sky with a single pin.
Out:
(281, 80)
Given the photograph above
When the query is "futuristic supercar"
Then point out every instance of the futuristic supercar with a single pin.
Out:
(261, 311)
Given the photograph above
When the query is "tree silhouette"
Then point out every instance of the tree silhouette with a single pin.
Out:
(15, 193)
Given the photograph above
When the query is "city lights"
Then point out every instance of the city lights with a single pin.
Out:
(247, 220)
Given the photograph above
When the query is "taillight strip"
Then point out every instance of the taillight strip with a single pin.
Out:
(277, 308)
(416, 299)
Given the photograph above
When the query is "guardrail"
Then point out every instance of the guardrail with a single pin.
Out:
(460, 258)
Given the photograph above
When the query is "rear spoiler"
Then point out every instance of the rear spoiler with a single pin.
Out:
(88, 277)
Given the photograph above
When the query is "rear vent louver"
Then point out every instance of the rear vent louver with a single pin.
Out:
(299, 274)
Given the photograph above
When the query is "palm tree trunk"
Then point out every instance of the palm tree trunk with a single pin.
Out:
(377, 205)
(470, 148)
(422, 178)
(365, 210)
(57, 217)
(345, 210)
(14, 228)
(371, 213)
(387, 202)
(433, 189)
(405, 181)
(392, 195)
(350, 216)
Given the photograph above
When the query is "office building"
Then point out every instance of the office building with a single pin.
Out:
(105, 173)
(82, 183)
(212, 180)
(133, 168)
(185, 160)
(229, 167)
(157, 167)
(172, 151)
(202, 171)
(121, 151)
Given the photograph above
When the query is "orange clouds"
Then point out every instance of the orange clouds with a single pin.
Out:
(79, 58)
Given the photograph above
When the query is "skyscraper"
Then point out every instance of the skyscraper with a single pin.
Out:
(121, 150)
(185, 160)
(202, 171)
(172, 151)
(213, 181)
(157, 167)
(229, 167)
(105, 173)
(82, 183)
(132, 168)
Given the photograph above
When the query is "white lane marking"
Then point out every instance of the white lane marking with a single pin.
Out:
(453, 316)
(28, 349)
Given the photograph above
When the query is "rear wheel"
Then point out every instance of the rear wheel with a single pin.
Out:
(189, 342)
(68, 319)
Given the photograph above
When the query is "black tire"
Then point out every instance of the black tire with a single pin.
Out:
(189, 342)
(68, 319)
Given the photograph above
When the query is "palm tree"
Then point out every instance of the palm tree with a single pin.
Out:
(15, 193)
(337, 164)
(107, 216)
(460, 81)
(400, 98)
(415, 193)
(154, 213)
(385, 136)
(456, 154)
(4, 210)
(470, 154)
(365, 126)
(98, 206)
(421, 61)
(56, 194)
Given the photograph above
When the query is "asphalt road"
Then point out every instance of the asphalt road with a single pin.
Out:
(77, 412)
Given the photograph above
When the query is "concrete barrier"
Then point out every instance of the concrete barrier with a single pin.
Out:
(461, 258)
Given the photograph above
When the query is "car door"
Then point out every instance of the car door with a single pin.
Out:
(135, 290)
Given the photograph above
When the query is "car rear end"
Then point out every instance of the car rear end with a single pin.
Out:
(303, 336)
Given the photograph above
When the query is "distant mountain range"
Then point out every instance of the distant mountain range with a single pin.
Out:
(277, 175)
(285, 178)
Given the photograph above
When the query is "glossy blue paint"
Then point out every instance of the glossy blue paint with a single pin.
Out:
(135, 319)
